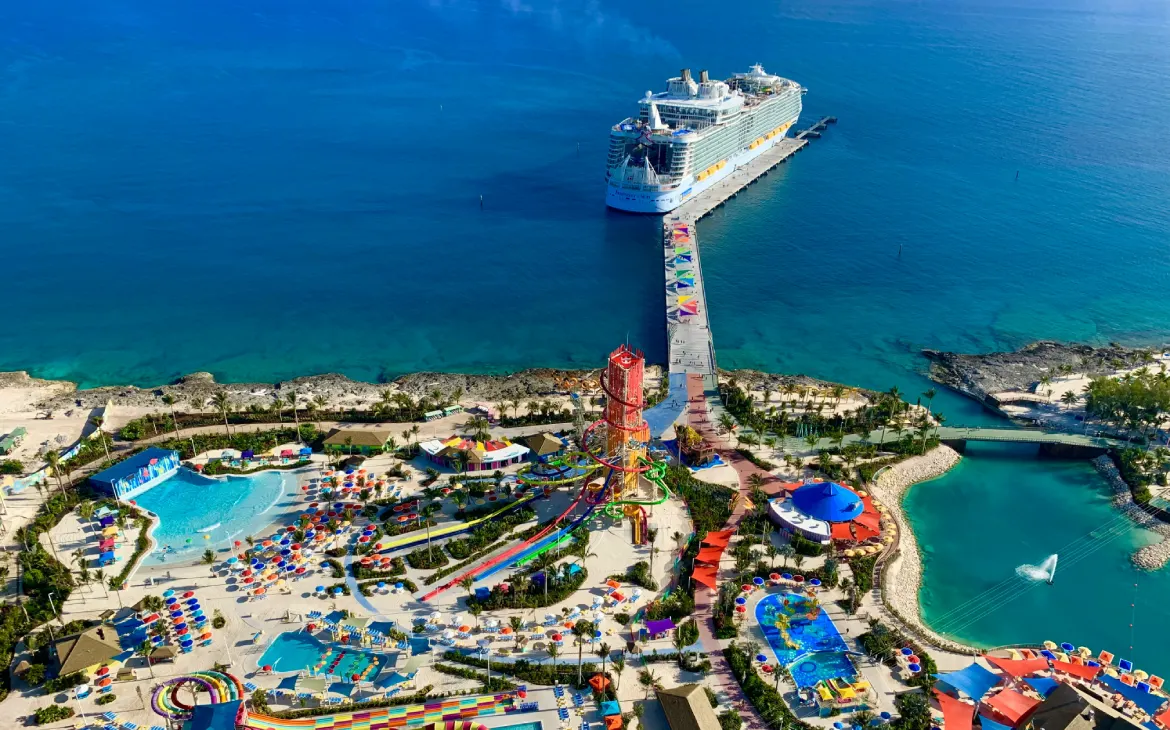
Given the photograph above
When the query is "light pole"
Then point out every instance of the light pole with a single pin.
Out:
(54, 607)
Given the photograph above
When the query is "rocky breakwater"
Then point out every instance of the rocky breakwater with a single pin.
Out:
(902, 577)
(983, 376)
(1149, 557)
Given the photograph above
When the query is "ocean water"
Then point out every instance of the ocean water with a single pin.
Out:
(267, 189)
(1002, 508)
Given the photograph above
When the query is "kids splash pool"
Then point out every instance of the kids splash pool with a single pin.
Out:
(197, 512)
(804, 639)
(295, 651)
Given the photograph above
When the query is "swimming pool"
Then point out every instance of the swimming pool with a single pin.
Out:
(521, 726)
(814, 644)
(197, 512)
(295, 651)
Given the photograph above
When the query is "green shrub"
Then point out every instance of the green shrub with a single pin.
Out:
(639, 575)
(35, 675)
(52, 713)
(106, 699)
(11, 466)
(423, 558)
(69, 681)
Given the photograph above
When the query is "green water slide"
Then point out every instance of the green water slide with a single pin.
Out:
(576, 464)
(656, 474)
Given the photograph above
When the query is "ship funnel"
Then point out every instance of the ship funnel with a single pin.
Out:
(703, 76)
(686, 74)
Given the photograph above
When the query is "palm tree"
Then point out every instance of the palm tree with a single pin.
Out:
(619, 666)
(772, 552)
(603, 654)
(517, 625)
(319, 403)
(553, 652)
(466, 582)
(798, 560)
(208, 556)
(648, 679)
(97, 422)
(223, 402)
(293, 403)
(583, 630)
(86, 510)
(929, 395)
(144, 650)
(1069, 398)
(53, 459)
(478, 428)
(475, 610)
(544, 561)
(651, 536)
(278, 406)
(787, 551)
(678, 540)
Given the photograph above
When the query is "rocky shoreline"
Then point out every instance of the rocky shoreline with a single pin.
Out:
(902, 577)
(1148, 557)
(982, 376)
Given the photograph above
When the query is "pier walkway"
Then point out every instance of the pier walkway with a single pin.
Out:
(690, 347)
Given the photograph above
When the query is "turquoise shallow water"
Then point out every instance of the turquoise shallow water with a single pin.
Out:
(191, 506)
(1002, 508)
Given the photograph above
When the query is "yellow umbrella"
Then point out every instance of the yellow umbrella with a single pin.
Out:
(1050, 645)
(1141, 675)
(862, 493)
(1084, 651)
(850, 553)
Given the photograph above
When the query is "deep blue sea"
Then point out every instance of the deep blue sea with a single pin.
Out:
(267, 189)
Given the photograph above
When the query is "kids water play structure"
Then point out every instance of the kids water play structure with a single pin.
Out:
(447, 714)
(220, 686)
(617, 444)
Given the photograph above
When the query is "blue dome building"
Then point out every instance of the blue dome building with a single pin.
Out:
(827, 501)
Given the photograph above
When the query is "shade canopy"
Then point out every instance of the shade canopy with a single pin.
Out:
(1043, 685)
(1012, 704)
(1018, 667)
(827, 501)
(956, 713)
(973, 681)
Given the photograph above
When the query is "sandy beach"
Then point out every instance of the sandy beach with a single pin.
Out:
(903, 576)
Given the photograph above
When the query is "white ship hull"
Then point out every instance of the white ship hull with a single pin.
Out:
(662, 202)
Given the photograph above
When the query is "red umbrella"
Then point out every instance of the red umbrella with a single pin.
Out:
(150, 619)
(182, 632)
(238, 543)
(356, 677)
(299, 571)
(296, 546)
(207, 635)
(291, 528)
(557, 637)
(275, 559)
(247, 572)
(189, 594)
(103, 671)
(378, 546)
(266, 668)
(363, 539)
(249, 580)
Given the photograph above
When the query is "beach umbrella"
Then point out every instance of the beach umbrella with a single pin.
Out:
(150, 619)
(180, 625)
(103, 671)
(886, 716)
(839, 725)
(233, 560)
(758, 581)
(557, 637)
(172, 601)
(914, 668)
(907, 651)
(182, 632)
(814, 582)
(774, 577)
(104, 682)
(189, 594)
(320, 589)
(300, 571)
(176, 614)
(740, 601)
(761, 658)
(786, 576)
(798, 578)
(249, 580)
(745, 588)
(260, 591)
(337, 591)
(913, 659)
(1065, 646)
(741, 609)
(398, 586)
(168, 593)
(192, 601)
(1125, 665)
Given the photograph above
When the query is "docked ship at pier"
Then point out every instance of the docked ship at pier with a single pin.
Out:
(695, 133)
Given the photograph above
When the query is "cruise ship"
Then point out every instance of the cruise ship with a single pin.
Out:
(694, 134)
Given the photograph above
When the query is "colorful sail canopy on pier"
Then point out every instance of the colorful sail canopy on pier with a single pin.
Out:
(956, 713)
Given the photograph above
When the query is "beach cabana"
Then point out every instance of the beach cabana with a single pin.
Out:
(659, 627)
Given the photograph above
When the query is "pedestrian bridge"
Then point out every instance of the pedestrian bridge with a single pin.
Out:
(1026, 436)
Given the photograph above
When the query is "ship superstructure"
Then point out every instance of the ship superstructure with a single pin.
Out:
(694, 134)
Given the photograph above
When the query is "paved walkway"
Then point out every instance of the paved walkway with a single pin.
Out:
(721, 675)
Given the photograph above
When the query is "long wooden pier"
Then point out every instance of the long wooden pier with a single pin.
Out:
(690, 346)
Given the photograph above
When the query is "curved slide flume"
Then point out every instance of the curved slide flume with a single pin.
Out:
(545, 544)
(507, 556)
(418, 536)
(221, 688)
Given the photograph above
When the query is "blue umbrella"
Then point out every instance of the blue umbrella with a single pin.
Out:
(839, 726)
(886, 716)
(814, 582)
(180, 625)
(168, 593)
(1143, 686)
(337, 591)
(907, 651)
(875, 722)
(914, 668)
(193, 607)
(1065, 646)
(171, 600)
(758, 581)
(786, 576)
(320, 589)
(1125, 665)
(398, 586)
(1092, 663)
(192, 600)
(381, 584)
(1047, 654)
(740, 601)
(176, 614)
(761, 658)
